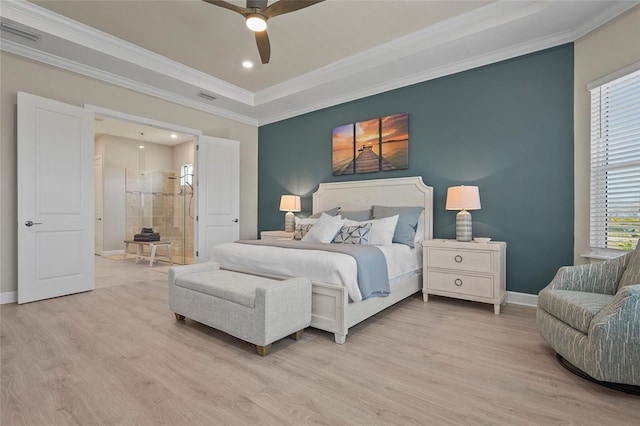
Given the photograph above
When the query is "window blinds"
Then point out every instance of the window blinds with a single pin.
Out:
(615, 163)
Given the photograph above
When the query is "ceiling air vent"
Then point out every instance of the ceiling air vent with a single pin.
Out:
(13, 28)
(207, 96)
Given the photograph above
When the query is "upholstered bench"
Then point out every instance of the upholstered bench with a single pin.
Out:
(256, 309)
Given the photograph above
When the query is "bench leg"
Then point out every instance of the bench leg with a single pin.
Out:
(297, 335)
(179, 317)
(263, 350)
(153, 254)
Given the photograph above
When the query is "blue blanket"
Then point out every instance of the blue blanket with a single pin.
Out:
(373, 276)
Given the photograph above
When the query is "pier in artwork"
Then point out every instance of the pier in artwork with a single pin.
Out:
(368, 161)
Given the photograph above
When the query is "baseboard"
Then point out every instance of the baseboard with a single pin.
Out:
(522, 298)
(8, 297)
(109, 253)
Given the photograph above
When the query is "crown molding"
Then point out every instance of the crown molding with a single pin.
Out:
(612, 12)
(64, 63)
(444, 32)
(430, 74)
(374, 71)
(60, 26)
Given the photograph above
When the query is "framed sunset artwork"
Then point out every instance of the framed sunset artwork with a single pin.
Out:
(379, 144)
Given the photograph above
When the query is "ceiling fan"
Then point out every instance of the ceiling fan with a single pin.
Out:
(256, 14)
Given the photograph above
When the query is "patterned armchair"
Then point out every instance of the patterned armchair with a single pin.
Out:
(590, 315)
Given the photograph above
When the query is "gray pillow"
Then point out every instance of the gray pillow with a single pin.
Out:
(330, 212)
(357, 215)
(405, 231)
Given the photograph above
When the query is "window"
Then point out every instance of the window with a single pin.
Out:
(187, 175)
(615, 161)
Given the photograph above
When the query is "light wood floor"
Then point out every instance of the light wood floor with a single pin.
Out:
(116, 356)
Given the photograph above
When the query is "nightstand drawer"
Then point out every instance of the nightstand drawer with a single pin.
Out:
(461, 260)
(460, 283)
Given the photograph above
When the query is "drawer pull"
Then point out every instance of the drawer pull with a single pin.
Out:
(458, 282)
(458, 258)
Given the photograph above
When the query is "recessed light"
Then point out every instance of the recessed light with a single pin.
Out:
(141, 146)
(247, 64)
(174, 136)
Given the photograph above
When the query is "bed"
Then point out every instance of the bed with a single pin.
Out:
(331, 309)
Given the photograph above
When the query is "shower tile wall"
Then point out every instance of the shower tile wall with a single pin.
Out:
(153, 200)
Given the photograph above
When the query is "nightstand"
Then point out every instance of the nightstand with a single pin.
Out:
(470, 271)
(276, 235)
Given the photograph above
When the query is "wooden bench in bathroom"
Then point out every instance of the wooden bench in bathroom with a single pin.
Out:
(140, 250)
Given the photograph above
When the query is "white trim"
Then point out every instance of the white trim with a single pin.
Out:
(603, 254)
(526, 299)
(8, 297)
(69, 65)
(60, 26)
(613, 76)
(444, 32)
(141, 120)
(323, 87)
(616, 9)
(430, 74)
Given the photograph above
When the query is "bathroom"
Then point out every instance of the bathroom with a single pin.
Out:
(144, 179)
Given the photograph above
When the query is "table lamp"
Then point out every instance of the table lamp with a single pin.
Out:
(463, 198)
(289, 204)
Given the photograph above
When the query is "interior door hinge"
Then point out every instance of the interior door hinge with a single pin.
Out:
(197, 147)
(197, 218)
(197, 253)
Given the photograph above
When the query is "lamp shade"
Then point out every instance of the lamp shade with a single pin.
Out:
(463, 198)
(290, 203)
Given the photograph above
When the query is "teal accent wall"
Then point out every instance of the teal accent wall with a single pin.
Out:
(505, 127)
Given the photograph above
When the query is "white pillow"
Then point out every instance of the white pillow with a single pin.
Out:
(382, 230)
(324, 230)
(305, 221)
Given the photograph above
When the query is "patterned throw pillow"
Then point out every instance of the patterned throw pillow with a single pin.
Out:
(357, 234)
(301, 230)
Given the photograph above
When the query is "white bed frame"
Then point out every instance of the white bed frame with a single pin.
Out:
(330, 309)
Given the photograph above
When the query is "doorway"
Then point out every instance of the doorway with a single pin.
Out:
(147, 185)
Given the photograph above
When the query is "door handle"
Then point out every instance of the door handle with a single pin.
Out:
(99, 218)
(30, 223)
(235, 220)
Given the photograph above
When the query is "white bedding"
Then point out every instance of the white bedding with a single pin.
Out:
(321, 266)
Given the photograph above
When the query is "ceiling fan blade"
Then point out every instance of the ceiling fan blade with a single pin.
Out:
(285, 6)
(241, 10)
(264, 48)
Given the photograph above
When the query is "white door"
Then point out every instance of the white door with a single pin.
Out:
(218, 196)
(98, 214)
(55, 199)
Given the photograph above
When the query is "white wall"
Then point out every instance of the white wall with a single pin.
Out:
(20, 74)
(601, 52)
(182, 154)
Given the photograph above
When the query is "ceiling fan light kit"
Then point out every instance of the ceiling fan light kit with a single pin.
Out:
(256, 22)
(256, 14)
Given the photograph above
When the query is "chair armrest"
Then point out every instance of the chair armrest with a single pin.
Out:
(592, 278)
(614, 333)
(178, 271)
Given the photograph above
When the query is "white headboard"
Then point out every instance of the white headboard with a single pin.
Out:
(362, 194)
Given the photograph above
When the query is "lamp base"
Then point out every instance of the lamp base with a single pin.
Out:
(289, 222)
(463, 226)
